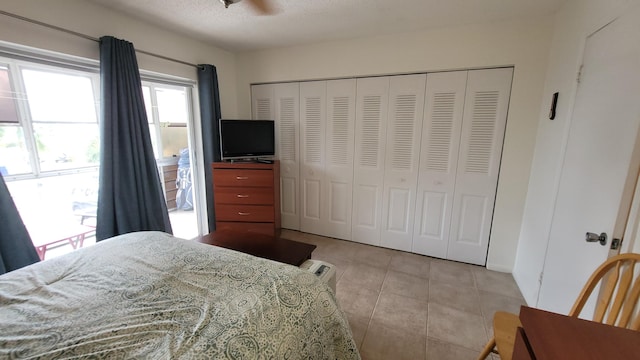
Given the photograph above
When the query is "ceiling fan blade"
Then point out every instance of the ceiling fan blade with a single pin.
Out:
(262, 6)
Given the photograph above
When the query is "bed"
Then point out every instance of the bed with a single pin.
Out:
(150, 295)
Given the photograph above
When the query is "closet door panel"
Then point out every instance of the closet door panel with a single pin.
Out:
(312, 137)
(442, 124)
(262, 103)
(372, 97)
(486, 105)
(404, 126)
(339, 157)
(287, 118)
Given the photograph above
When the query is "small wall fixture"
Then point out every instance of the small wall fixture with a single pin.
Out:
(554, 103)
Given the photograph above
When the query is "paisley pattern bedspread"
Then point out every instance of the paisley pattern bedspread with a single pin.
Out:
(149, 295)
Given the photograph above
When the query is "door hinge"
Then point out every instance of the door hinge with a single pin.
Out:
(540, 278)
(615, 243)
(579, 77)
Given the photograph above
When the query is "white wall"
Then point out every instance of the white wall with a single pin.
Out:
(573, 23)
(93, 20)
(523, 43)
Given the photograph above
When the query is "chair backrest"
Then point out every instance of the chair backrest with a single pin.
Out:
(619, 292)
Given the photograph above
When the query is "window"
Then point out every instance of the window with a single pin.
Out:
(168, 113)
(49, 119)
(14, 156)
(50, 148)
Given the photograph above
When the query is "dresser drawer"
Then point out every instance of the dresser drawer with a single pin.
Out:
(246, 227)
(244, 195)
(248, 213)
(240, 177)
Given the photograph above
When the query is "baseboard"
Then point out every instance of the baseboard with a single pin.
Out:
(500, 268)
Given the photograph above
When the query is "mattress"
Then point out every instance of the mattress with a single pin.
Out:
(151, 295)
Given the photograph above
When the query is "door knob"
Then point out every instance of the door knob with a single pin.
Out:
(593, 237)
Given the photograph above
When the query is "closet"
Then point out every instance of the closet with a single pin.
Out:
(282, 103)
(408, 162)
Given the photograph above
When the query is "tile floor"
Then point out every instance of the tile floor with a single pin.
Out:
(408, 306)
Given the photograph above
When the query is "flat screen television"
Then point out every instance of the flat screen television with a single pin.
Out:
(246, 139)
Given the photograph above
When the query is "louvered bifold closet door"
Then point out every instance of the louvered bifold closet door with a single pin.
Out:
(444, 105)
(404, 126)
(372, 99)
(339, 150)
(262, 104)
(313, 96)
(483, 125)
(287, 115)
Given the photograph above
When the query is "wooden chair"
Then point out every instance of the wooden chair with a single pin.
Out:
(617, 304)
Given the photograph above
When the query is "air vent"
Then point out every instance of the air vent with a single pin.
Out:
(485, 111)
(340, 131)
(403, 124)
(370, 131)
(439, 148)
(287, 130)
(313, 134)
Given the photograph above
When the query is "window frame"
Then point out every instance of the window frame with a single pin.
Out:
(15, 67)
(153, 84)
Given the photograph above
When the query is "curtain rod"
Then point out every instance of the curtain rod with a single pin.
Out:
(84, 36)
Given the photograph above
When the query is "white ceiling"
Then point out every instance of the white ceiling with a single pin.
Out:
(240, 28)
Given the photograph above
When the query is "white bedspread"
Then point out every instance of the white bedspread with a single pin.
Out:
(149, 295)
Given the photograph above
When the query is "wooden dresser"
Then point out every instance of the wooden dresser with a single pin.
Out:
(247, 196)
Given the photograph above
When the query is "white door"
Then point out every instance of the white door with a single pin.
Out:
(372, 98)
(597, 162)
(312, 139)
(483, 124)
(404, 126)
(287, 114)
(444, 104)
(262, 105)
(339, 146)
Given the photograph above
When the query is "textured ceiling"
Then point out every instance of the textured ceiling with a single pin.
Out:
(295, 22)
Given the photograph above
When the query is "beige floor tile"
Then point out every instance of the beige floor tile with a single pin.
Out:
(458, 297)
(358, 328)
(402, 313)
(491, 302)
(387, 343)
(413, 264)
(356, 300)
(374, 256)
(497, 282)
(364, 275)
(438, 350)
(338, 249)
(406, 285)
(450, 272)
(391, 313)
(457, 327)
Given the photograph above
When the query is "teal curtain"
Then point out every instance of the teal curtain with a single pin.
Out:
(16, 248)
(210, 120)
(130, 197)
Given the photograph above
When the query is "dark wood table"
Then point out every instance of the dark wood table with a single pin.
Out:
(547, 335)
(264, 246)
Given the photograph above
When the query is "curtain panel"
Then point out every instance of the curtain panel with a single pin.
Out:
(16, 248)
(130, 197)
(210, 114)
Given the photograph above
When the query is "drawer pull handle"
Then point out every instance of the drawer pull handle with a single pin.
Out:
(242, 196)
(243, 213)
(242, 177)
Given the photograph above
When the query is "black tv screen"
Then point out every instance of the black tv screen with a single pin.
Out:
(246, 138)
